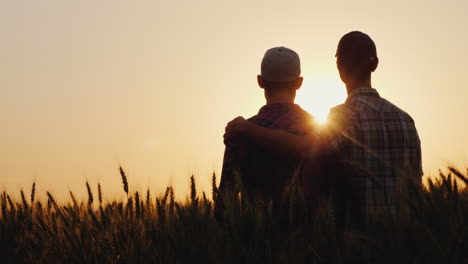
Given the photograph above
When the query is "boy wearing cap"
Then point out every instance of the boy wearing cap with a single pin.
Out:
(250, 168)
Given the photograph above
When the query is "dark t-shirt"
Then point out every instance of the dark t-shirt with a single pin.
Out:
(257, 172)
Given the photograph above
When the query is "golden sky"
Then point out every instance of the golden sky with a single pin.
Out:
(88, 85)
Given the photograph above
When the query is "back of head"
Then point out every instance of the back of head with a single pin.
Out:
(280, 66)
(357, 54)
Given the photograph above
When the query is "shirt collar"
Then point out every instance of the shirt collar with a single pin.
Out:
(362, 92)
(277, 107)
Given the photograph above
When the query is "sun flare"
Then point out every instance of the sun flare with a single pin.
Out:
(318, 95)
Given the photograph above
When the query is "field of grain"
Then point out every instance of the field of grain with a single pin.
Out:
(432, 228)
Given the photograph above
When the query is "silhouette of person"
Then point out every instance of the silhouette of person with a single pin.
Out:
(370, 133)
(249, 168)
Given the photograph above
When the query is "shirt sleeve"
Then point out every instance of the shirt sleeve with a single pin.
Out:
(304, 125)
(231, 165)
(228, 186)
(419, 168)
(338, 132)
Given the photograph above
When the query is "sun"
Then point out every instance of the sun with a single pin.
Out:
(318, 95)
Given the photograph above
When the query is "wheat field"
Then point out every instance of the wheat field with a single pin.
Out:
(145, 229)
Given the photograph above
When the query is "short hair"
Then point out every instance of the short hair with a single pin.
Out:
(357, 51)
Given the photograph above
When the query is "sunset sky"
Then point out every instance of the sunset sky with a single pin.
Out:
(88, 85)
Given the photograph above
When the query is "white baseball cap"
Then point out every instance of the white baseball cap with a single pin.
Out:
(280, 64)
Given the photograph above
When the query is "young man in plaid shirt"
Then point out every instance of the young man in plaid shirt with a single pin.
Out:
(260, 174)
(373, 135)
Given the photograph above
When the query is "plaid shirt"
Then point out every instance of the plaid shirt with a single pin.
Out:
(381, 140)
(262, 173)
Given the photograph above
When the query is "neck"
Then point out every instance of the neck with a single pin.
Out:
(356, 84)
(280, 97)
(279, 101)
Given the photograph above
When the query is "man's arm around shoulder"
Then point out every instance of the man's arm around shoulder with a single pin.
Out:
(274, 140)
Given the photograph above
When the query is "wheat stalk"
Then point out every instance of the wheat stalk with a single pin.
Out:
(148, 198)
(214, 188)
(33, 192)
(99, 193)
(171, 200)
(130, 206)
(23, 199)
(12, 206)
(137, 204)
(75, 203)
(166, 194)
(124, 179)
(52, 200)
(459, 175)
(193, 191)
(90, 194)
